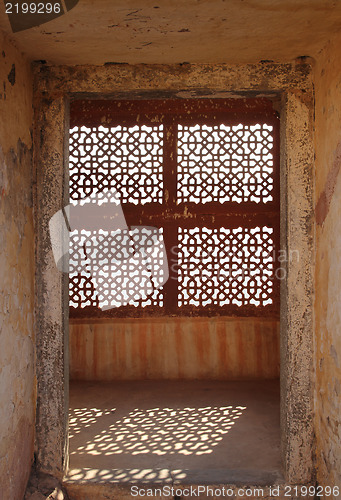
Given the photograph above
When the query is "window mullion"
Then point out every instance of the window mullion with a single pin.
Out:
(170, 225)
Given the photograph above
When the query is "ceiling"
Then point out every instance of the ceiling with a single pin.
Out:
(174, 31)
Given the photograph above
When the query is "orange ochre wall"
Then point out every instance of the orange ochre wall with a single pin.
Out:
(174, 348)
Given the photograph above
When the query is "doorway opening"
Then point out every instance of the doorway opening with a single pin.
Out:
(179, 381)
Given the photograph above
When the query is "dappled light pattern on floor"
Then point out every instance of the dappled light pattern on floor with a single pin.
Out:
(162, 431)
(120, 475)
(157, 430)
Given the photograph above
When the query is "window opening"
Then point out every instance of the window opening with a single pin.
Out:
(204, 172)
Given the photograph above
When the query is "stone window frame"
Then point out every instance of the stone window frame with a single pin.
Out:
(290, 86)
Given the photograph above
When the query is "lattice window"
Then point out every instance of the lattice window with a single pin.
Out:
(225, 266)
(129, 158)
(225, 163)
(115, 268)
(203, 174)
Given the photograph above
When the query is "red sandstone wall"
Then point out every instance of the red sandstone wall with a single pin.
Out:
(174, 348)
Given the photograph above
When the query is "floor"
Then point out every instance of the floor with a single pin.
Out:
(193, 432)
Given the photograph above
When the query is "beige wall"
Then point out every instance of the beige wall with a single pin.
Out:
(17, 380)
(174, 348)
(328, 264)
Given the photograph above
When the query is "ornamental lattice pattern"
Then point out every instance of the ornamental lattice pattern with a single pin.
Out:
(129, 159)
(225, 266)
(207, 172)
(117, 264)
(223, 163)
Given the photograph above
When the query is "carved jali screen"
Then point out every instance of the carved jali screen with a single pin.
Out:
(201, 178)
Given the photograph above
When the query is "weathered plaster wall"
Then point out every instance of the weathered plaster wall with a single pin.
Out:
(328, 264)
(184, 348)
(297, 160)
(51, 297)
(196, 31)
(17, 379)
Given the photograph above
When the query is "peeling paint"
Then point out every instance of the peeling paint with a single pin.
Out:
(323, 204)
(214, 31)
(328, 268)
(11, 75)
(15, 99)
(17, 359)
